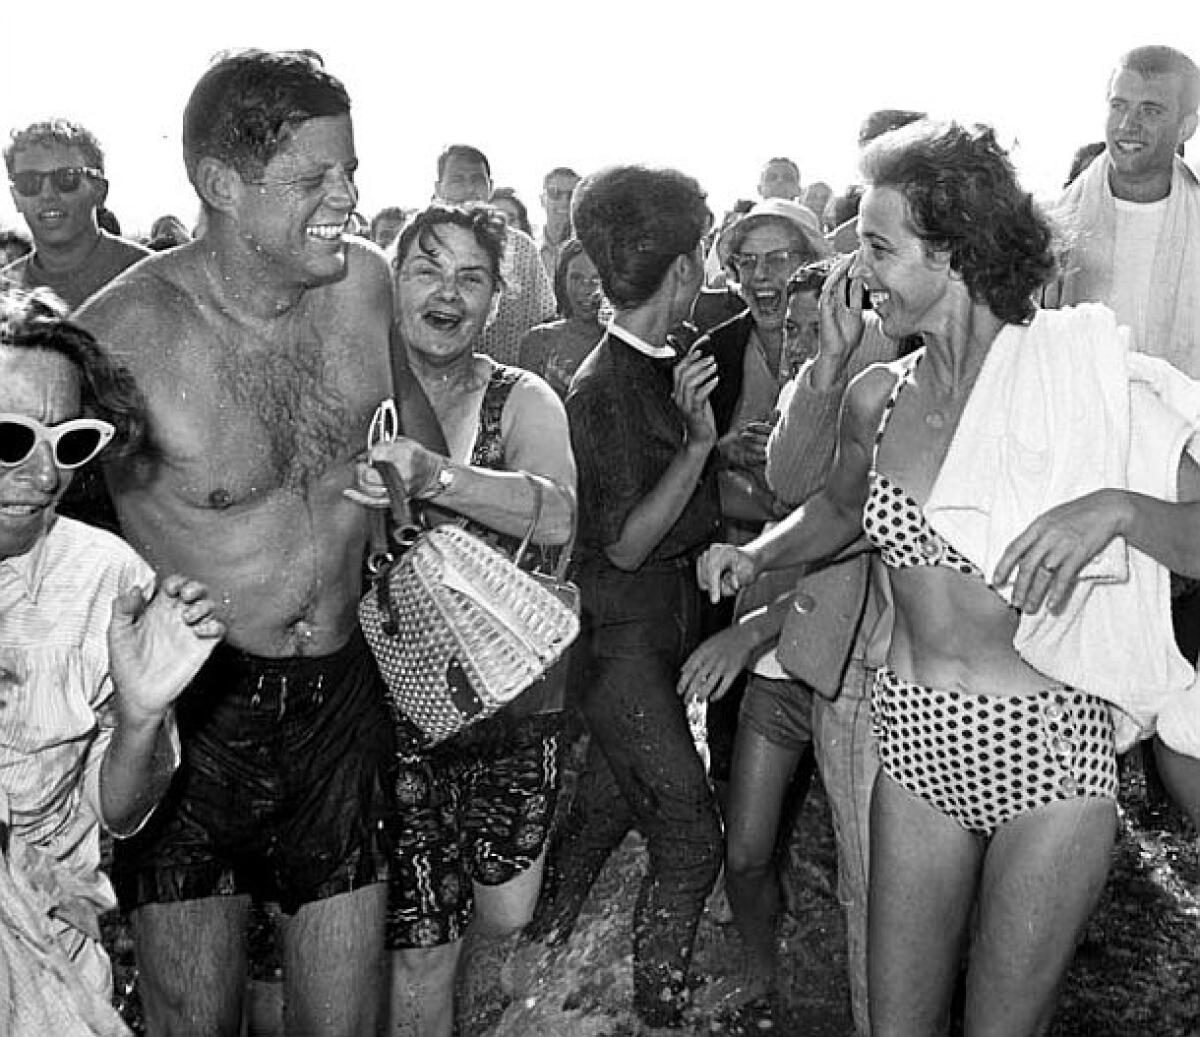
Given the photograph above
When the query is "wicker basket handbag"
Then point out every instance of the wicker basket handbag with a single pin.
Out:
(458, 630)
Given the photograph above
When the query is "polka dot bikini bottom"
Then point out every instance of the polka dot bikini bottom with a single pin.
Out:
(985, 759)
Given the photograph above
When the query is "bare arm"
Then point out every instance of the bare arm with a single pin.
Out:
(155, 648)
(802, 445)
(536, 440)
(1049, 555)
(829, 520)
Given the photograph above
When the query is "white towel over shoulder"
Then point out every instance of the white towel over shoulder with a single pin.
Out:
(1062, 408)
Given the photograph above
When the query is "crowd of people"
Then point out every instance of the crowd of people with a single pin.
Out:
(895, 483)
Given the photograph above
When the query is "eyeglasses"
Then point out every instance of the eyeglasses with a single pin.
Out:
(28, 182)
(779, 262)
(72, 443)
(558, 194)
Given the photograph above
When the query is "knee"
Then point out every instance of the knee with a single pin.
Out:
(746, 859)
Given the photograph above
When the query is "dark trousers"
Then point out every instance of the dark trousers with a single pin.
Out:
(642, 772)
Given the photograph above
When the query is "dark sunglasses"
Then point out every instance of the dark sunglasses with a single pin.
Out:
(65, 179)
(72, 443)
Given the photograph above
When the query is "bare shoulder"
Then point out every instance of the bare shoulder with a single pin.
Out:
(368, 275)
(532, 395)
(148, 307)
(867, 395)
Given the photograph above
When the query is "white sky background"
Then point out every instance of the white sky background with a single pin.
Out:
(711, 88)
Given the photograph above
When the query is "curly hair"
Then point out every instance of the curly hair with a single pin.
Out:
(963, 198)
(246, 105)
(486, 223)
(55, 131)
(36, 319)
(633, 222)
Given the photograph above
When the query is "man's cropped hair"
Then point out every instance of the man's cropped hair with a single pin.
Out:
(248, 103)
(463, 151)
(1163, 61)
(55, 131)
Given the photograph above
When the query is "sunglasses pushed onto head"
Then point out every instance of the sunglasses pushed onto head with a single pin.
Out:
(72, 443)
(65, 179)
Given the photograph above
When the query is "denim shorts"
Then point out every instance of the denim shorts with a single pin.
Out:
(285, 788)
(779, 710)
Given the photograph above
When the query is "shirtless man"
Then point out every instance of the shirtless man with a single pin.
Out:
(262, 350)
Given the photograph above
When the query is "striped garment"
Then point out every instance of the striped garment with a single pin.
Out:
(56, 704)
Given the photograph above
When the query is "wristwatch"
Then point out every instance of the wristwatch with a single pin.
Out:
(440, 482)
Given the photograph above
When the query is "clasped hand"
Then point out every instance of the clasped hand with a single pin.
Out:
(418, 468)
(723, 569)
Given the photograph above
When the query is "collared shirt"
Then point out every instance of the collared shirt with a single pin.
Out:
(56, 698)
(625, 431)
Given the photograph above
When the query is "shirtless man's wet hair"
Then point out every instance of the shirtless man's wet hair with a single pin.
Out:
(262, 349)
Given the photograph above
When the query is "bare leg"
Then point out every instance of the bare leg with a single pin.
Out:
(1043, 873)
(422, 991)
(924, 869)
(760, 776)
(1181, 775)
(191, 958)
(503, 910)
(333, 964)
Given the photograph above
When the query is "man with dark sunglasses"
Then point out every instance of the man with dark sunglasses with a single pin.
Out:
(262, 350)
(56, 177)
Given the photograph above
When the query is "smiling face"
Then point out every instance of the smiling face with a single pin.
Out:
(763, 286)
(43, 386)
(908, 285)
(801, 329)
(58, 218)
(444, 294)
(1146, 123)
(297, 213)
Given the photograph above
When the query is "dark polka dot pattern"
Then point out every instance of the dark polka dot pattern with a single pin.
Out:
(894, 522)
(985, 759)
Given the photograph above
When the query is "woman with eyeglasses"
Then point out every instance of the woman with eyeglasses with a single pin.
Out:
(556, 350)
(474, 811)
(643, 434)
(988, 467)
(92, 656)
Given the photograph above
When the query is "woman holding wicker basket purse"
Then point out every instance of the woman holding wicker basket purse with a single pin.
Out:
(475, 809)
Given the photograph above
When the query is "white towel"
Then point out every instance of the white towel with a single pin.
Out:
(1062, 408)
(1173, 319)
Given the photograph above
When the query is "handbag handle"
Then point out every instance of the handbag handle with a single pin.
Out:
(539, 498)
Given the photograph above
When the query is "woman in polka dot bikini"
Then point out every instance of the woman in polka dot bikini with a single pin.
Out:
(995, 812)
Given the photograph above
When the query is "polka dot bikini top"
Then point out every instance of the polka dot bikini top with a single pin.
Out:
(894, 522)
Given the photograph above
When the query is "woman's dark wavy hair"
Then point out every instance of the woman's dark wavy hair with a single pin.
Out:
(571, 250)
(633, 222)
(487, 224)
(36, 319)
(964, 198)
